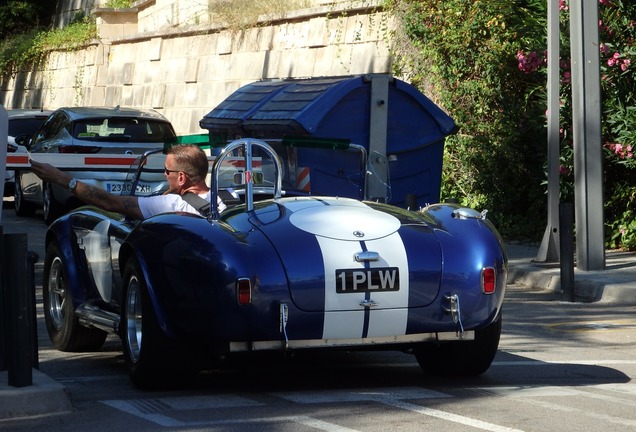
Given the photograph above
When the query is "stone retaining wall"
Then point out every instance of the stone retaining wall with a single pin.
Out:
(185, 72)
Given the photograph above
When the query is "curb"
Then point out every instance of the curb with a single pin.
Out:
(44, 396)
(615, 284)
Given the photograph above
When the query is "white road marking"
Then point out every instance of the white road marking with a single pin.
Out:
(563, 362)
(478, 424)
(336, 396)
(156, 410)
(144, 409)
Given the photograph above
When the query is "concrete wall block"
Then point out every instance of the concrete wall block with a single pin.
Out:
(187, 96)
(97, 96)
(173, 70)
(356, 29)
(158, 96)
(138, 96)
(208, 94)
(128, 72)
(191, 70)
(305, 62)
(196, 114)
(224, 43)
(153, 49)
(180, 118)
(264, 38)
(341, 64)
(317, 34)
(205, 45)
(290, 35)
(101, 75)
(272, 64)
(323, 59)
(222, 66)
(114, 74)
(126, 97)
(171, 94)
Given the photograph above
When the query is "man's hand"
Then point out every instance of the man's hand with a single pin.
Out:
(49, 173)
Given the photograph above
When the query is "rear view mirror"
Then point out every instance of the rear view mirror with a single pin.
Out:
(23, 140)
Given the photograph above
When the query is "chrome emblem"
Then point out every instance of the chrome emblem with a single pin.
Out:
(358, 233)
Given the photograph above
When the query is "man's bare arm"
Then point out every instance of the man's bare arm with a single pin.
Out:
(127, 205)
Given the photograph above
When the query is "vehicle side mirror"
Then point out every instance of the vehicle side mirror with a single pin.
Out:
(23, 140)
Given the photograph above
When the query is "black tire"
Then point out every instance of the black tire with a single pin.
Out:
(65, 331)
(51, 208)
(461, 359)
(154, 361)
(22, 208)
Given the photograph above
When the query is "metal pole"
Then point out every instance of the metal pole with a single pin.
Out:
(586, 119)
(549, 249)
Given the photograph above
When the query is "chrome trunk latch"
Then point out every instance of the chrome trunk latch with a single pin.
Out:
(367, 256)
(283, 316)
(455, 312)
(368, 303)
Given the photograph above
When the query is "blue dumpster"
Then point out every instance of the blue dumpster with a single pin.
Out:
(390, 118)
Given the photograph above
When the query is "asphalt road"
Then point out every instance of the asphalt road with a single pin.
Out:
(561, 366)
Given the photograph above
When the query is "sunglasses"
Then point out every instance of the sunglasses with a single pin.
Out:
(166, 171)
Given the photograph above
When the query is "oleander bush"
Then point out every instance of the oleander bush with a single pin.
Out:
(485, 62)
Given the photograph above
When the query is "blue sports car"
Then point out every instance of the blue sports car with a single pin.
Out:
(283, 268)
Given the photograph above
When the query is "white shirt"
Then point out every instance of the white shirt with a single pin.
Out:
(170, 203)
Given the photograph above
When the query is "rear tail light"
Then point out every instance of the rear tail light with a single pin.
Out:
(76, 149)
(244, 291)
(488, 280)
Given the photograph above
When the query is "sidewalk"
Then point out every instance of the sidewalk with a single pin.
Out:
(45, 396)
(617, 283)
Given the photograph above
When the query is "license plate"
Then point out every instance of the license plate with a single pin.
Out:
(367, 280)
(118, 188)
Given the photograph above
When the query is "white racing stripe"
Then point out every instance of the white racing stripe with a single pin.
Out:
(344, 316)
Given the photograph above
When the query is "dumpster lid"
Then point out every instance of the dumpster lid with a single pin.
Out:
(317, 106)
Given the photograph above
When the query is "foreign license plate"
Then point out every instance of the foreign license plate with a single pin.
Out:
(119, 188)
(367, 280)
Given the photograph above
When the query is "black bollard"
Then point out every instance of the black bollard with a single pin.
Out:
(19, 315)
(566, 249)
(3, 333)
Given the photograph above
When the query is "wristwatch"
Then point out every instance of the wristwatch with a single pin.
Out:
(72, 184)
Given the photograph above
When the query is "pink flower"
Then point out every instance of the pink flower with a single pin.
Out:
(566, 77)
(625, 65)
(530, 62)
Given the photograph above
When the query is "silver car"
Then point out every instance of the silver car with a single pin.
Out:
(90, 130)
(22, 122)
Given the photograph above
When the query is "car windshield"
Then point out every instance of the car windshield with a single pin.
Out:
(122, 129)
(23, 126)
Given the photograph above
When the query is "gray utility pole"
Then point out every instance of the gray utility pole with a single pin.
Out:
(586, 117)
(586, 122)
(549, 249)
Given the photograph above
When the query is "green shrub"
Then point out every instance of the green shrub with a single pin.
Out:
(27, 50)
(469, 49)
